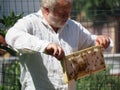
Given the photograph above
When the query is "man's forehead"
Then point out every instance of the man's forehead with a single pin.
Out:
(63, 3)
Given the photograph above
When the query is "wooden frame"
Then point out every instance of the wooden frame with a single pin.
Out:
(82, 63)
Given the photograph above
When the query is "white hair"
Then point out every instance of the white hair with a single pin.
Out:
(50, 3)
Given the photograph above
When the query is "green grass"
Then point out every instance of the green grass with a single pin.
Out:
(99, 81)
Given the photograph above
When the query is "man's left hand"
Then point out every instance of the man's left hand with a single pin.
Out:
(102, 41)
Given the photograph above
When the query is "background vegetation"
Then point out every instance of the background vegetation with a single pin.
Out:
(96, 9)
(99, 81)
(5, 23)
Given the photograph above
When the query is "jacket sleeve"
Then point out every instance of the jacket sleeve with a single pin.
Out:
(89, 39)
(19, 37)
(85, 38)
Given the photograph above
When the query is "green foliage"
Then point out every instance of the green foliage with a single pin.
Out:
(102, 9)
(5, 23)
(99, 81)
(3, 32)
(11, 72)
(11, 77)
(8, 21)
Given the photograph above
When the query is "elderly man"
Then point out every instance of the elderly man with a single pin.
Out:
(53, 34)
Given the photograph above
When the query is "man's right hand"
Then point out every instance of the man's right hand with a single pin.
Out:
(55, 50)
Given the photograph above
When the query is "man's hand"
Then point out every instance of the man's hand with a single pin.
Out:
(55, 50)
(102, 41)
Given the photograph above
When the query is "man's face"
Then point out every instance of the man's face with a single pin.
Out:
(60, 14)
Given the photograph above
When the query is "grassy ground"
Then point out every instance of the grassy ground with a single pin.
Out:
(99, 81)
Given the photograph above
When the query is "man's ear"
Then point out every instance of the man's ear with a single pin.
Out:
(45, 11)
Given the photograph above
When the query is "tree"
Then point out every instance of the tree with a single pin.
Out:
(5, 23)
(96, 9)
(99, 12)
